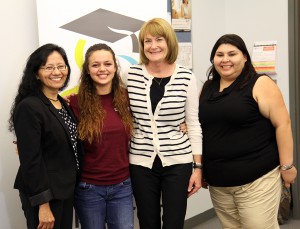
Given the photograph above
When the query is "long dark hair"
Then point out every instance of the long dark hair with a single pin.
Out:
(29, 84)
(232, 39)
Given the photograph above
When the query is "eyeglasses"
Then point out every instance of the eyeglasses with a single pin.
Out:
(60, 68)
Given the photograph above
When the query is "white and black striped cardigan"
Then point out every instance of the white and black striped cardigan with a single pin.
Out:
(159, 133)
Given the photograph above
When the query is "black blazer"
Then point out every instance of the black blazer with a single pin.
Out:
(47, 160)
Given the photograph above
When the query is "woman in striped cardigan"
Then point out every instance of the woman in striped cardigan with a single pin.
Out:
(163, 95)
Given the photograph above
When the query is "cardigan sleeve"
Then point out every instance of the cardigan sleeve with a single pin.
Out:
(191, 115)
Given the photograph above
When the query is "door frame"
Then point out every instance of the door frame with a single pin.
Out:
(294, 92)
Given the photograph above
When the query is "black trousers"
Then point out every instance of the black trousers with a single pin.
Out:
(166, 185)
(62, 211)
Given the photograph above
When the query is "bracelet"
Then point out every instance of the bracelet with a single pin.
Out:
(197, 165)
(286, 167)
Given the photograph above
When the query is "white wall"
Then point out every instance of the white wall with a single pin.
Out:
(254, 20)
(260, 21)
(19, 38)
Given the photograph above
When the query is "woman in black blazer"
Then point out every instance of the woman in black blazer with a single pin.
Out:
(46, 132)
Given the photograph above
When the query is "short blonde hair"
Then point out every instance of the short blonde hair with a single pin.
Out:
(162, 28)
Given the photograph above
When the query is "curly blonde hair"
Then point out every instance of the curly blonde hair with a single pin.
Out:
(91, 113)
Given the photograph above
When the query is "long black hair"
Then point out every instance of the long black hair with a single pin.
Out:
(29, 84)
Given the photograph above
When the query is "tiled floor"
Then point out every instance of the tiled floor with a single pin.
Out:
(214, 224)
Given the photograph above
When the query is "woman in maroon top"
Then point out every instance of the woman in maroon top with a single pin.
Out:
(104, 193)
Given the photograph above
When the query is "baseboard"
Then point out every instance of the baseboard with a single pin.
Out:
(198, 219)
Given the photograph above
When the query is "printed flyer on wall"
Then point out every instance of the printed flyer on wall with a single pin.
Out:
(264, 57)
(185, 57)
(181, 14)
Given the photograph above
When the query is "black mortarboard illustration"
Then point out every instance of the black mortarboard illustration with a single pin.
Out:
(106, 25)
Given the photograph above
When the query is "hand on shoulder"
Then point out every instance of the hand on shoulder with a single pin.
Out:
(67, 98)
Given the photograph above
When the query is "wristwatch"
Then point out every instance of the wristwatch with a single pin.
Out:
(197, 165)
(286, 167)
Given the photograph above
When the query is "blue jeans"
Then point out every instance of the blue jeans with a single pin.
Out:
(106, 204)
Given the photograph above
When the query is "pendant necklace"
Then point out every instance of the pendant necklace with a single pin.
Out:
(158, 82)
(54, 100)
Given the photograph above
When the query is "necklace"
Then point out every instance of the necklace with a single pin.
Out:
(158, 82)
(54, 100)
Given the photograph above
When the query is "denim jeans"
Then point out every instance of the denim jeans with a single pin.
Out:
(111, 205)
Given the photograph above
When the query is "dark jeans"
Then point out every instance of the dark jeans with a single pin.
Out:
(62, 211)
(167, 185)
(106, 204)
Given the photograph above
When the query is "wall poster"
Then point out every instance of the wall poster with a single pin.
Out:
(181, 14)
(76, 25)
(264, 57)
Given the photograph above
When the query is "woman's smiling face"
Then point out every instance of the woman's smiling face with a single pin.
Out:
(229, 61)
(102, 70)
(155, 48)
(54, 73)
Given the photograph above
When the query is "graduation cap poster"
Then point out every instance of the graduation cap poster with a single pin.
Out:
(76, 25)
